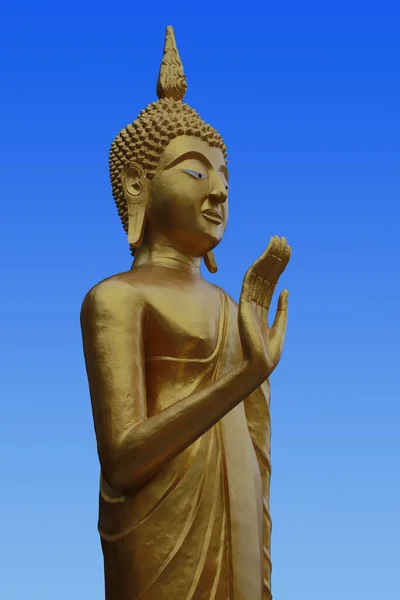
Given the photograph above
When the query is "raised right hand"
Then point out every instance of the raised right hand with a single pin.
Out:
(262, 345)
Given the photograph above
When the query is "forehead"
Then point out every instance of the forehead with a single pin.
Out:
(188, 143)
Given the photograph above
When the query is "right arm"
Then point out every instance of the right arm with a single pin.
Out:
(133, 447)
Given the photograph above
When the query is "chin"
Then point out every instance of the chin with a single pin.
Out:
(199, 241)
(213, 233)
(208, 244)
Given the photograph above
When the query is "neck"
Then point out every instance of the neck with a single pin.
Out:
(161, 255)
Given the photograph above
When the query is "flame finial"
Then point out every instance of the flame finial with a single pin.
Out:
(171, 79)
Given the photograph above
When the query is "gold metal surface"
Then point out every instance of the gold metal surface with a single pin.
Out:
(178, 372)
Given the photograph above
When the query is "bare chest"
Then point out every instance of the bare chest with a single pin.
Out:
(183, 323)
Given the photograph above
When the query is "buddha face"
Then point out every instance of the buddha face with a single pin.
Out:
(188, 206)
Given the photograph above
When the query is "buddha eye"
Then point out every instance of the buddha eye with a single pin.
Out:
(195, 174)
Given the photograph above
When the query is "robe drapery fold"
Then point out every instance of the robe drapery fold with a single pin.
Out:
(200, 529)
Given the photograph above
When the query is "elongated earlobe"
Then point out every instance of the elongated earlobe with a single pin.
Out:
(210, 262)
(136, 223)
(136, 191)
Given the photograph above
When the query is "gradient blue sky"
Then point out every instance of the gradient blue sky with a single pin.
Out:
(307, 97)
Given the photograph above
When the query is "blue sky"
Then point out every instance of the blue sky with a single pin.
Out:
(307, 97)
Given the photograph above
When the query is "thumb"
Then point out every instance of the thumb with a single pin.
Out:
(280, 320)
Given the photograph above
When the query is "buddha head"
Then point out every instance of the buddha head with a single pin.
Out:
(168, 171)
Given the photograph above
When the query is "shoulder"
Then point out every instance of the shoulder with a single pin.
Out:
(123, 292)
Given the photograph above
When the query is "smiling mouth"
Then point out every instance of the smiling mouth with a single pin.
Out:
(213, 216)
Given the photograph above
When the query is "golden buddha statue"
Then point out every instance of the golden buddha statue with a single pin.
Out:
(178, 372)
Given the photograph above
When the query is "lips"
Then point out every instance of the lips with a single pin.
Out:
(214, 216)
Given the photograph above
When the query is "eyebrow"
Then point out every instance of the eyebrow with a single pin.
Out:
(224, 170)
(200, 157)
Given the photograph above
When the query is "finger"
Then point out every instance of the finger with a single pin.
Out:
(280, 320)
(258, 264)
(273, 260)
(286, 254)
(257, 289)
(274, 263)
(269, 257)
(281, 262)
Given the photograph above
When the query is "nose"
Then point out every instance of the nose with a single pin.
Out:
(218, 191)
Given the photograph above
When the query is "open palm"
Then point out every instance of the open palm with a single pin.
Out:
(258, 288)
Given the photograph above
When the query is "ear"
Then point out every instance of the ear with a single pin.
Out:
(210, 262)
(136, 191)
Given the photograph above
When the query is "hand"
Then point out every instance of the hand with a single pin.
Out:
(262, 345)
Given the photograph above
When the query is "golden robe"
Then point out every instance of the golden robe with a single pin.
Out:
(200, 529)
